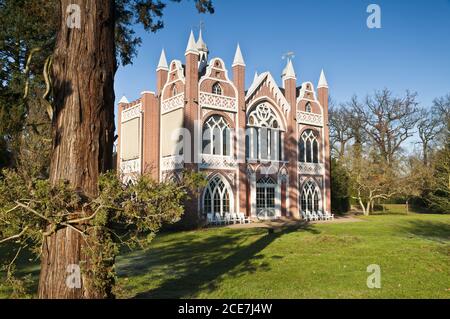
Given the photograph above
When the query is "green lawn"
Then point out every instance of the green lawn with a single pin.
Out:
(393, 209)
(318, 261)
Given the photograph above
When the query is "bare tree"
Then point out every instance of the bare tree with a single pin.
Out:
(388, 121)
(372, 181)
(429, 126)
(442, 109)
(340, 131)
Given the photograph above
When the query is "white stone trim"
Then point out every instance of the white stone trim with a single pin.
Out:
(218, 102)
(311, 168)
(131, 166)
(172, 163)
(218, 162)
(309, 118)
(273, 104)
(279, 96)
(174, 103)
(131, 113)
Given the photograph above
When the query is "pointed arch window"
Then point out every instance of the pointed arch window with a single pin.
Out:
(217, 197)
(174, 90)
(217, 89)
(308, 107)
(264, 134)
(311, 198)
(308, 147)
(216, 136)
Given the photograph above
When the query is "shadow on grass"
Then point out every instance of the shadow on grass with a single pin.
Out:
(197, 263)
(436, 231)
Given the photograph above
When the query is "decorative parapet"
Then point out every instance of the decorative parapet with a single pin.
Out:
(218, 102)
(131, 113)
(131, 166)
(311, 168)
(172, 163)
(172, 104)
(218, 162)
(309, 118)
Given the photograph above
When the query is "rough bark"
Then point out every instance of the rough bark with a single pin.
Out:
(83, 130)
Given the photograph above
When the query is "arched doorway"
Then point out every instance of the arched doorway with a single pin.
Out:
(266, 198)
(218, 197)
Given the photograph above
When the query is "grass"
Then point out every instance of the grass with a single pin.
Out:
(316, 261)
(319, 261)
(396, 209)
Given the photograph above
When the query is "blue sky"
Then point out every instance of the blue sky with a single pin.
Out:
(410, 51)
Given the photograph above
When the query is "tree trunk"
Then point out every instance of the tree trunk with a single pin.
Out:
(369, 202)
(83, 131)
(425, 153)
(363, 207)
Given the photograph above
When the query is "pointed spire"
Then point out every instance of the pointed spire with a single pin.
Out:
(192, 45)
(256, 76)
(238, 59)
(201, 45)
(322, 81)
(289, 72)
(123, 100)
(162, 65)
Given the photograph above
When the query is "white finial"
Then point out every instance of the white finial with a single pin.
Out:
(201, 45)
(192, 46)
(123, 100)
(162, 65)
(289, 72)
(238, 59)
(256, 76)
(322, 81)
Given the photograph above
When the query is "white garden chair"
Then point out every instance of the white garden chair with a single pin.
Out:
(321, 216)
(308, 215)
(329, 215)
(234, 218)
(303, 215)
(315, 216)
(227, 218)
(219, 219)
(241, 218)
(210, 219)
(244, 218)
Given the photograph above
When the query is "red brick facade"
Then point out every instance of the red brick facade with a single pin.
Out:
(264, 149)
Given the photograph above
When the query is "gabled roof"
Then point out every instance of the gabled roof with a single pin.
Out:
(278, 94)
